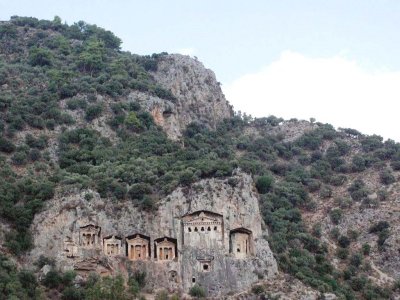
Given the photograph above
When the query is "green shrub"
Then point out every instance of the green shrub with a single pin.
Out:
(16, 284)
(264, 184)
(19, 158)
(335, 233)
(76, 103)
(356, 260)
(68, 277)
(21, 241)
(52, 279)
(387, 177)
(353, 234)
(344, 202)
(342, 253)
(358, 283)
(43, 260)
(140, 278)
(358, 190)
(325, 192)
(34, 155)
(197, 291)
(133, 286)
(383, 195)
(28, 281)
(344, 241)
(6, 145)
(93, 111)
(366, 249)
(317, 230)
(382, 237)
(378, 227)
(40, 57)
(258, 289)
(73, 293)
(132, 122)
(336, 215)
(162, 295)
(371, 143)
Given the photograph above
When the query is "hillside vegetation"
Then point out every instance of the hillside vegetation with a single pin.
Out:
(309, 176)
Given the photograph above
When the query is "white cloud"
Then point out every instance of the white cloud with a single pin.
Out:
(186, 51)
(333, 90)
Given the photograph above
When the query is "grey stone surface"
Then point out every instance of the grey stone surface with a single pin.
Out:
(238, 205)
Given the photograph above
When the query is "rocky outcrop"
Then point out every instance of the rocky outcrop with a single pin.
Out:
(230, 203)
(164, 112)
(199, 97)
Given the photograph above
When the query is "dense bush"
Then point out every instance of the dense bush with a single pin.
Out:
(6, 145)
(358, 190)
(16, 284)
(264, 184)
(197, 291)
(387, 177)
(336, 215)
(52, 279)
(93, 111)
(378, 227)
(40, 57)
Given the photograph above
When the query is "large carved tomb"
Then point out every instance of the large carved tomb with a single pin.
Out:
(202, 229)
(138, 247)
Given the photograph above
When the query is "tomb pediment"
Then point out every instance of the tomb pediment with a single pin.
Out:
(137, 240)
(137, 237)
(165, 242)
(202, 218)
(112, 239)
(90, 228)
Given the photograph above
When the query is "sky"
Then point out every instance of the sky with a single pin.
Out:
(336, 61)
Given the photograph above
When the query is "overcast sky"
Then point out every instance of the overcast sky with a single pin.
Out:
(337, 61)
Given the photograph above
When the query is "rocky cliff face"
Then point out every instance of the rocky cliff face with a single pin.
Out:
(199, 95)
(58, 233)
(198, 98)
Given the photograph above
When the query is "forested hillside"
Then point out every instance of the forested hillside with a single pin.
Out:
(328, 197)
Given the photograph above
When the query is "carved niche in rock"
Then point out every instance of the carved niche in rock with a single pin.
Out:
(165, 249)
(89, 236)
(205, 263)
(70, 248)
(202, 229)
(173, 276)
(241, 243)
(138, 247)
(112, 245)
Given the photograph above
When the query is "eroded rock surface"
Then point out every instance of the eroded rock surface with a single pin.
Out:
(224, 250)
(199, 97)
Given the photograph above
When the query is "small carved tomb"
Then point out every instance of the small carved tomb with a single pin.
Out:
(138, 247)
(241, 243)
(205, 263)
(173, 276)
(112, 245)
(165, 249)
(70, 248)
(89, 236)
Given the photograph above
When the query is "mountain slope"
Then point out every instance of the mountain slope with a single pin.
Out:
(87, 129)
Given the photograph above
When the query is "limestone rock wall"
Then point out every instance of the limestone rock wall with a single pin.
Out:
(199, 95)
(60, 226)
